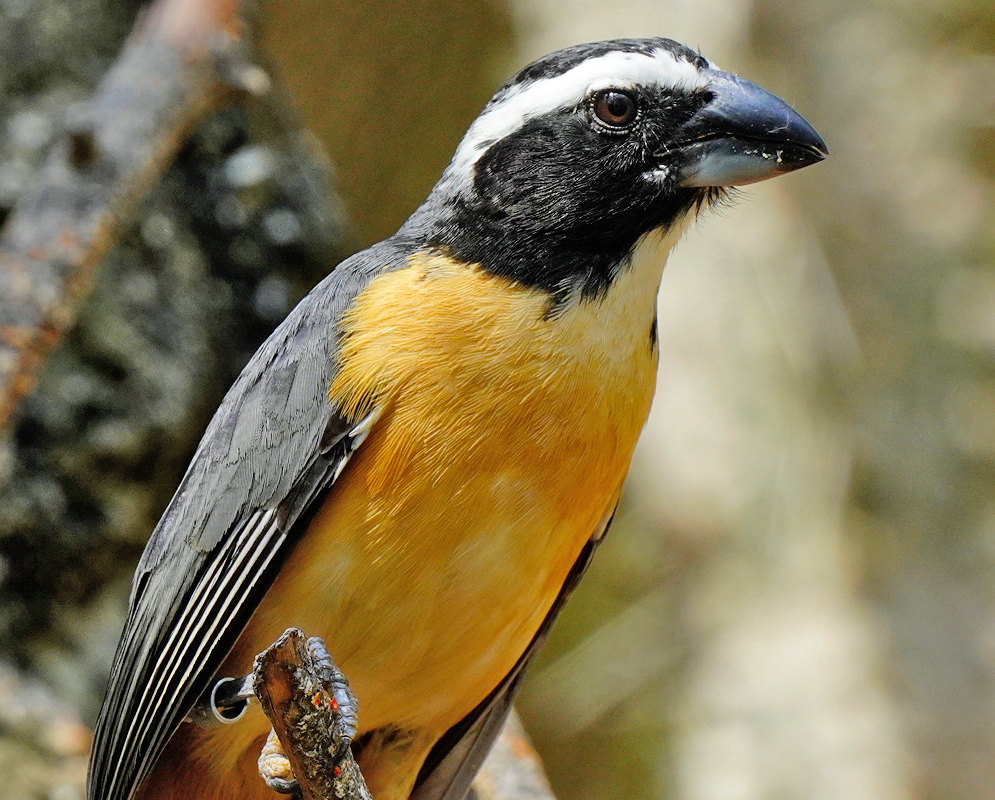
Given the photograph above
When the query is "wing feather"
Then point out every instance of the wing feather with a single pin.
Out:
(193, 639)
(272, 449)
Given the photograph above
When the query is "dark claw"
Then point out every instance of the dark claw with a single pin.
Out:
(283, 786)
(346, 706)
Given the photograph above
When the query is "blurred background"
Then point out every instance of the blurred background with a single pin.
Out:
(797, 600)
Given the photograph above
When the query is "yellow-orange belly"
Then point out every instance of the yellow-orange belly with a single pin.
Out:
(504, 437)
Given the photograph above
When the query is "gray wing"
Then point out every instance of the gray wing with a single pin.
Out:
(274, 445)
(453, 763)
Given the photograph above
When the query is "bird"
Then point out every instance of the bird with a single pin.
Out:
(418, 464)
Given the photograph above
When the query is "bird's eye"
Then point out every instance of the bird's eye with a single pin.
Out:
(615, 109)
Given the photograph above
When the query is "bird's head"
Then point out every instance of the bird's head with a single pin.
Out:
(587, 149)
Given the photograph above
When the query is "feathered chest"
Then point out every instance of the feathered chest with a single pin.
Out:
(465, 362)
(504, 435)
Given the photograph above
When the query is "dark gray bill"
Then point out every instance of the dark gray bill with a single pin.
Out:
(745, 134)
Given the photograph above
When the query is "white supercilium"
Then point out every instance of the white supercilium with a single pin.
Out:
(619, 70)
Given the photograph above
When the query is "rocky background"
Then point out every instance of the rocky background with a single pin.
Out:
(797, 599)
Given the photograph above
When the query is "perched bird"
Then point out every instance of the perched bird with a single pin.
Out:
(418, 463)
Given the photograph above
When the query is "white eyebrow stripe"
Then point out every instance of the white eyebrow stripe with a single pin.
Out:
(528, 100)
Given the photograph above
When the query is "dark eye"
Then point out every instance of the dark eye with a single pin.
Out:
(614, 108)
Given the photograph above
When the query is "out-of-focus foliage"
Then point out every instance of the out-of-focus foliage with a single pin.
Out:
(796, 600)
(388, 86)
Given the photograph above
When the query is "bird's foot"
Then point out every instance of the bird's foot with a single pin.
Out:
(274, 766)
(314, 716)
(335, 696)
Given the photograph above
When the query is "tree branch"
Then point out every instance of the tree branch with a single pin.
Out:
(512, 770)
(313, 714)
(184, 60)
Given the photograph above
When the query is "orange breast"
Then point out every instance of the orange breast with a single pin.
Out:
(505, 434)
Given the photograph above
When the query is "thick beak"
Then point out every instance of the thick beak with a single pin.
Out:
(743, 135)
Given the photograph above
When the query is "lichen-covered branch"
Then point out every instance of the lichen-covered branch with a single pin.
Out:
(302, 699)
(184, 60)
(302, 694)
